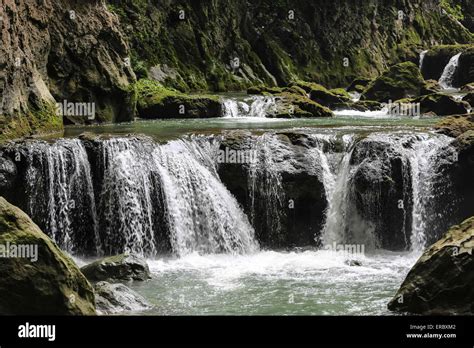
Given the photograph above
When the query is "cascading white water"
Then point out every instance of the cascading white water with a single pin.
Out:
(254, 106)
(202, 214)
(265, 180)
(59, 187)
(420, 166)
(336, 184)
(126, 200)
(423, 163)
(446, 79)
(422, 58)
(148, 192)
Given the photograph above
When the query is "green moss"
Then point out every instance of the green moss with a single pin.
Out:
(40, 120)
(340, 92)
(400, 81)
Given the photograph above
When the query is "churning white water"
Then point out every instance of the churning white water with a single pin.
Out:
(254, 106)
(446, 79)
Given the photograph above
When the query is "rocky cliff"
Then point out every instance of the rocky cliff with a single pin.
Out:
(56, 51)
(90, 51)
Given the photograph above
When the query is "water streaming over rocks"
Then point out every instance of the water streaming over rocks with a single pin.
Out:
(447, 77)
(110, 195)
(254, 106)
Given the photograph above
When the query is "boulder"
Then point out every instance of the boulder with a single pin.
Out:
(118, 298)
(321, 94)
(283, 192)
(289, 105)
(358, 85)
(116, 268)
(155, 101)
(441, 104)
(441, 281)
(455, 125)
(46, 282)
(377, 185)
(402, 80)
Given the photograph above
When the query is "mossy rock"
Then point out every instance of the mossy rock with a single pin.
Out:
(402, 80)
(156, 101)
(117, 268)
(455, 125)
(440, 283)
(51, 285)
(440, 104)
(361, 105)
(341, 92)
(322, 95)
(289, 105)
(358, 85)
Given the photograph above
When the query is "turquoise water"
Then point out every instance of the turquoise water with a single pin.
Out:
(307, 282)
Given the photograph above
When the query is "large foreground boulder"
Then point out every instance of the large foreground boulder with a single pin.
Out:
(117, 298)
(402, 80)
(116, 268)
(41, 279)
(441, 282)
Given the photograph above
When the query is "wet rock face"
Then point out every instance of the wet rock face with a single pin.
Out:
(441, 281)
(117, 298)
(44, 280)
(381, 194)
(282, 191)
(8, 173)
(62, 50)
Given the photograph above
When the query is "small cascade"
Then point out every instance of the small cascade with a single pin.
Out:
(254, 106)
(336, 179)
(447, 77)
(347, 223)
(61, 195)
(422, 57)
(265, 183)
(202, 214)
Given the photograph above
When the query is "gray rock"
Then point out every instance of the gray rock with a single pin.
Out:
(116, 298)
(116, 268)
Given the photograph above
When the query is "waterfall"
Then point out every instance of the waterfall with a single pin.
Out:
(424, 162)
(265, 182)
(422, 57)
(61, 195)
(420, 165)
(203, 215)
(336, 179)
(447, 77)
(148, 196)
(133, 194)
(254, 106)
